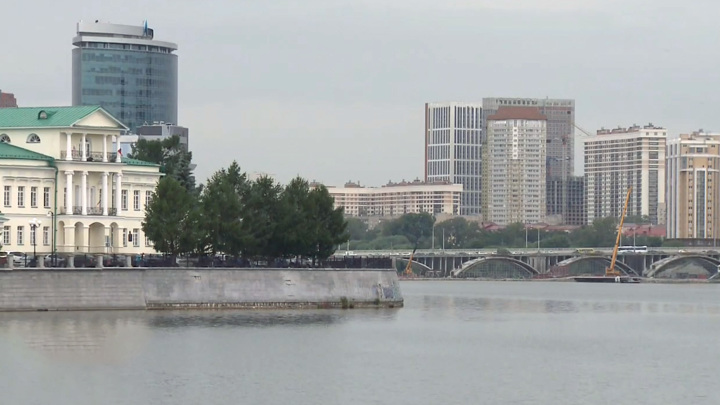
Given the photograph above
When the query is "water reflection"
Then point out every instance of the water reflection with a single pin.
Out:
(225, 319)
(82, 337)
(458, 305)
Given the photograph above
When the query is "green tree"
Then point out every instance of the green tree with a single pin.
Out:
(293, 233)
(412, 226)
(327, 224)
(357, 228)
(458, 233)
(173, 157)
(171, 218)
(260, 219)
(222, 212)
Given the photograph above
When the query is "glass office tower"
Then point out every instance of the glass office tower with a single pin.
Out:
(126, 71)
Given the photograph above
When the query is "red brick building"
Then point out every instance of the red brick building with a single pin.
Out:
(7, 100)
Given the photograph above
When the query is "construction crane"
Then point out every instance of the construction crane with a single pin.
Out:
(610, 271)
(408, 268)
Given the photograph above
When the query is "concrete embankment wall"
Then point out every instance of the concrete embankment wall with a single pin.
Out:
(158, 288)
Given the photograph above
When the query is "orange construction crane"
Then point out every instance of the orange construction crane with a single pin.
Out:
(408, 268)
(610, 271)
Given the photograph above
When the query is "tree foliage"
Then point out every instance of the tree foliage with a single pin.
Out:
(171, 218)
(173, 157)
(255, 220)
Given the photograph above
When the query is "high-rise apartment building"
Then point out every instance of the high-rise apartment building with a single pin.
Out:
(560, 114)
(126, 71)
(7, 100)
(453, 134)
(513, 166)
(693, 178)
(619, 158)
(566, 199)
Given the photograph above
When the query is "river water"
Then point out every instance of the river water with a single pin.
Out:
(455, 342)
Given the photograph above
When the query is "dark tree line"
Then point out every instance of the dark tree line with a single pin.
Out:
(255, 220)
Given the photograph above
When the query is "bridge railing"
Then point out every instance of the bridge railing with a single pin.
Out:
(514, 251)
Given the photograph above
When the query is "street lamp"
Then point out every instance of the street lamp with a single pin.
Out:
(53, 260)
(34, 224)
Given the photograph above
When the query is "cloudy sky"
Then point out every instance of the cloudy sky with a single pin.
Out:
(334, 90)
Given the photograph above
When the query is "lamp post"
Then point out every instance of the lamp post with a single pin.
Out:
(34, 224)
(53, 260)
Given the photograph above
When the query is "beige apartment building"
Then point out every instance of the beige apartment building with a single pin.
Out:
(619, 158)
(693, 161)
(513, 166)
(395, 199)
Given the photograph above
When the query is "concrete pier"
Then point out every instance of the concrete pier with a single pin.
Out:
(177, 288)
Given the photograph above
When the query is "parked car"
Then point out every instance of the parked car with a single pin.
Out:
(54, 261)
(18, 258)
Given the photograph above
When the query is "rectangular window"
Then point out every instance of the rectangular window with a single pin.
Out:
(136, 200)
(6, 195)
(33, 239)
(33, 197)
(20, 240)
(124, 197)
(135, 238)
(125, 237)
(46, 197)
(21, 196)
(46, 235)
(148, 197)
(6, 235)
(147, 241)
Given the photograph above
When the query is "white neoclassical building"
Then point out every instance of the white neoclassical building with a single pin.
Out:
(58, 166)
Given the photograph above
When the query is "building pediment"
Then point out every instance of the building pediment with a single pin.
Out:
(99, 119)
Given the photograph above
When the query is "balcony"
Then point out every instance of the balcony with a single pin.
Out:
(77, 210)
(91, 156)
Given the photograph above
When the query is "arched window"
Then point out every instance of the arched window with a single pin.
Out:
(33, 138)
(4, 138)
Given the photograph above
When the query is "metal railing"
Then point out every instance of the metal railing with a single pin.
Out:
(77, 210)
(76, 155)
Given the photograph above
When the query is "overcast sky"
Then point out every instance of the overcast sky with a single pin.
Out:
(335, 90)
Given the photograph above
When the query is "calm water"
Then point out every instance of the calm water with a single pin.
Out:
(453, 343)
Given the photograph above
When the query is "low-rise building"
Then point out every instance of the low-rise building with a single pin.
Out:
(395, 199)
(58, 168)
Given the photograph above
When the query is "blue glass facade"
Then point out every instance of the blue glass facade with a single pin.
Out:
(138, 84)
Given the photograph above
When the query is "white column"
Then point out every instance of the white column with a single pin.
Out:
(83, 193)
(69, 194)
(82, 146)
(105, 193)
(105, 159)
(117, 149)
(68, 153)
(118, 193)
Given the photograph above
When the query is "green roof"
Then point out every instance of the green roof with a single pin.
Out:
(8, 151)
(30, 117)
(135, 162)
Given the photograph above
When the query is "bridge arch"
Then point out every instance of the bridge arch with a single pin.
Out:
(417, 268)
(685, 266)
(495, 267)
(588, 266)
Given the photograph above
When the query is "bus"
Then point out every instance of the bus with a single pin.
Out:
(632, 249)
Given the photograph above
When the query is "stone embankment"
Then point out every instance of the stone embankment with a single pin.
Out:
(186, 288)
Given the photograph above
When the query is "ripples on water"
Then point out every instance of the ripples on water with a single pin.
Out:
(453, 343)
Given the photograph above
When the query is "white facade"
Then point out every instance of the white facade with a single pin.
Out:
(89, 199)
(619, 158)
(514, 184)
(398, 199)
(453, 134)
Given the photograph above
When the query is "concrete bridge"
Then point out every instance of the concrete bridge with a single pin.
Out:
(550, 263)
